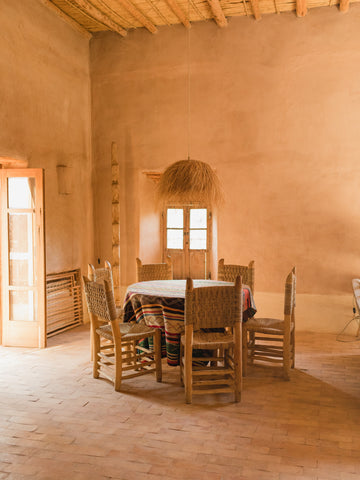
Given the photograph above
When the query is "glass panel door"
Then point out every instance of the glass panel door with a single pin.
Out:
(187, 241)
(198, 229)
(21, 228)
(23, 258)
(175, 228)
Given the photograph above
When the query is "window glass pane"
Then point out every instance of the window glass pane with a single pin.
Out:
(21, 306)
(198, 218)
(175, 238)
(19, 272)
(18, 232)
(175, 218)
(197, 239)
(21, 192)
(21, 249)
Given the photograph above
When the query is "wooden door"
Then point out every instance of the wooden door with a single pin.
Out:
(187, 240)
(23, 304)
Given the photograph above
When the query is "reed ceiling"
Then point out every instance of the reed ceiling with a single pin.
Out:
(90, 16)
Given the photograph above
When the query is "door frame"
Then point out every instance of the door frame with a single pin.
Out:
(35, 332)
(186, 242)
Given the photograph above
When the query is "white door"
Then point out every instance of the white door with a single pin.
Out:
(23, 301)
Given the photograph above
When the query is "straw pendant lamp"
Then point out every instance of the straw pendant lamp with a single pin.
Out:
(189, 181)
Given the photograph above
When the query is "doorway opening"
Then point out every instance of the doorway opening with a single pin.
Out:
(187, 239)
(22, 258)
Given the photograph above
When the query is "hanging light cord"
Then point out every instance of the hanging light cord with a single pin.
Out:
(188, 83)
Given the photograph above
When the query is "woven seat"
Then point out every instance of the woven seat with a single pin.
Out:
(113, 342)
(228, 273)
(272, 340)
(136, 330)
(264, 324)
(217, 367)
(154, 271)
(212, 340)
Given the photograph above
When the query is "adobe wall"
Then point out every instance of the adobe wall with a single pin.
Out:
(45, 119)
(275, 109)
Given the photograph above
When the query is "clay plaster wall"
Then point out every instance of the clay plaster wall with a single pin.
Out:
(275, 108)
(45, 119)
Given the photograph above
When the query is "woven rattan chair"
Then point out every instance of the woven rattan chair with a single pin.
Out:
(218, 368)
(103, 273)
(154, 271)
(98, 275)
(114, 355)
(228, 273)
(272, 340)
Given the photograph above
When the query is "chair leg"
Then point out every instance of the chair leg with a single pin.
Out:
(252, 342)
(95, 347)
(358, 330)
(188, 368)
(238, 362)
(118, 367)
(181, 364)
(91, 343)
(95, 354)
(286, 357)
(220, 353)
(157, 353)
(132, 349)
(244, 338)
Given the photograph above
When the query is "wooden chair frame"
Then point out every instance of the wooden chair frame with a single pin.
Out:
(269, 340)
(97, 275)
(101, 273)
(114, 356)
(218, 369)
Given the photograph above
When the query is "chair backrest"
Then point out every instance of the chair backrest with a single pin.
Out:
(98, 274)
(228, 273)
(290, 293)
(154, 271)
(213, 307)
(100, 299)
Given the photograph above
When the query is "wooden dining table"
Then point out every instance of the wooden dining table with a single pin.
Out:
(160, 304)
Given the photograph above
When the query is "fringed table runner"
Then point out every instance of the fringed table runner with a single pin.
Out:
(160, 304)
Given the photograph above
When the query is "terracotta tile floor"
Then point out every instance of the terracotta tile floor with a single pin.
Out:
(57, 422)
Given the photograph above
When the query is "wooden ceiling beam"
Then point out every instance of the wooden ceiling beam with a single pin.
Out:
(218, 13)
(154, 7)
(344, 5)
(88, 9)
(256, 9)
(245, 8)
(179, 13)
(107, 10)
(135, 12)
(301, 8)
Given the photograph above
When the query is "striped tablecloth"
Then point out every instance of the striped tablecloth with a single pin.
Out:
(160, 304)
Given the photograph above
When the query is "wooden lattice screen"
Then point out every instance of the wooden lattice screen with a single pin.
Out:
(64, 301)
